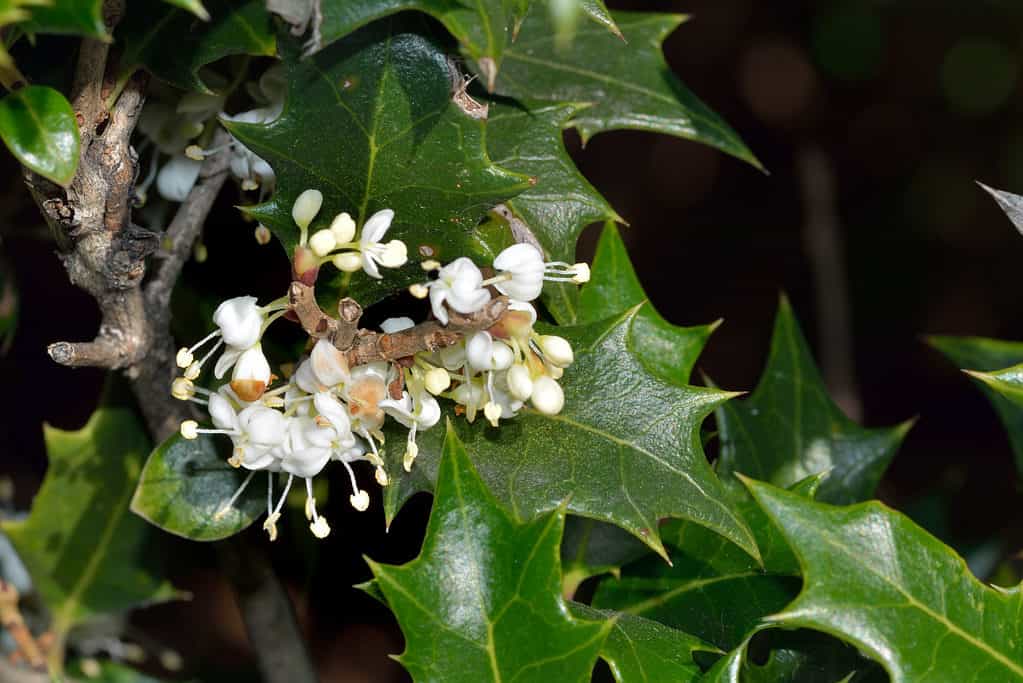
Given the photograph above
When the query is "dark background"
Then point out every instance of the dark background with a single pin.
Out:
(900, 105)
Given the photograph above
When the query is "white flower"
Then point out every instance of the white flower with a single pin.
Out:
(459, 286)
(391, 255)
(483, 353)
(177, 178)
(416, 410)
(522, 271)
(240, 324)
(343, 228)
(240, 321)
(328, 364)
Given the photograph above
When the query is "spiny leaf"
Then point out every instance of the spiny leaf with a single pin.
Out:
(174, 44)
(185, 488)
(370, 123)
(638, 650)
(629, 84)
(1011, 204)
(790, 429)
(625, 449)
(711, 589)
(87, 554)
(485, 590)
(38, 126)
(877, 580)
(528, 139)
(668, 351)
(995, 365)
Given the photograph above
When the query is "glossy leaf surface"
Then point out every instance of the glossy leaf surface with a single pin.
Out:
(625, 448)
(185, 488)
(628, 84)
(174, 44)
(877, 580)
(75, 17)
(790, 428)
(39, 128)
(486, 591)
(995, 365)
(87, 554)
(396, 140)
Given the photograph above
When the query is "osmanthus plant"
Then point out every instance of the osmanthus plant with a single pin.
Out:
(406, 161)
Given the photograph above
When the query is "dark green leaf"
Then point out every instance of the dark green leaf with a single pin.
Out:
(108, 672)
(396, 140)
(185, 488)
(625, 449)
(86, 553)
(486, 591)
(38, 126)
(173, 44)
(629, 84)
(875, 579)
(711, 589)
(638, 650)
(790, 429)
(562, 202)
(986, 358)
(194, 6)
(668, 351)
(76, 17)
(591, 548)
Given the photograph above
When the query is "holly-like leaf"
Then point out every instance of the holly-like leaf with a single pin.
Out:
(629, 84)
(790, 429)
(877, 580)
(174, 44)
(995, 365)
(488, 588)
(625, 449)
(39, 128)
(75, 17)
(668, 351)
(800, 656)
(87, 554)
(591, 548)
(396, 140)
(638, 650)
(185, 488)
(711, 589)
(562, 202)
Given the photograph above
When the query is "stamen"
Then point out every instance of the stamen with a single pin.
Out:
(241, 489)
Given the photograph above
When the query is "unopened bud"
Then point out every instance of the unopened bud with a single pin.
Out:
(348, 262)
(262, 234)
(343, 228)
(359, 500)
(200, 253)
(520, 384)
(322, 242)
(306, 207)
(437, 381)
(556, 350)
(190, 429)
(548, 398)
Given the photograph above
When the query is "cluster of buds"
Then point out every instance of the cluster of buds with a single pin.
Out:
(326, 410)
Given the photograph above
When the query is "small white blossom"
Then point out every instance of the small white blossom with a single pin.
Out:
(374, 252)
(459, 286)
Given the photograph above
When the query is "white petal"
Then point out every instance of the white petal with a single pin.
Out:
(329, 364)
(376, 226)
(520, 256)
(222, 412)
(226, 360)
(177, 178)
(392, 325)
(240, 321)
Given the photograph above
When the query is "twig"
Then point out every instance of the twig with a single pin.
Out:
(823, 237)
(12, 621)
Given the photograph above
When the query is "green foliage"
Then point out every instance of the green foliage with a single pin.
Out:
(486, 587)
(76, 17)
(173, 44)
(625, 449)
(790, 429)
(87, 554)
(185, 488)
(632, 88)
(194, 6)
(995, 365)
(877, 580)
(39, 128)
(396, 141)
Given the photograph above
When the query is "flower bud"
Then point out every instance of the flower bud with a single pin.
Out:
(343, 228)
(262, 234)
(190, 429)
(322, 242)
(520, 384)
(306, 207)
(548, 398)
(437, 381)
(200, 253)
(348, 262)
(556, 350)
(359, 500)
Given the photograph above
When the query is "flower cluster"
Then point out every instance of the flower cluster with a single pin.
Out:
(326, 410)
